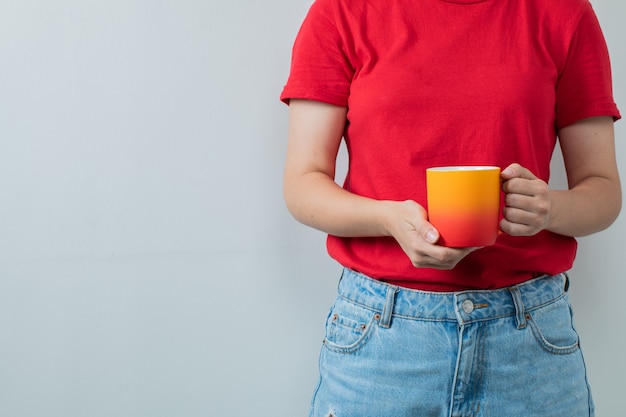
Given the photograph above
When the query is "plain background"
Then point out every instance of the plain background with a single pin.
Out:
(148, 266)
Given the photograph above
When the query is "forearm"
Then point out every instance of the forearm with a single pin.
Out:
(594, 198)
(590, 207)
(316, 200)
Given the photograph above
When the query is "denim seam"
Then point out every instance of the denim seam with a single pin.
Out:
(549, 347)
(561, 296)
(409, 317)
(357, 345)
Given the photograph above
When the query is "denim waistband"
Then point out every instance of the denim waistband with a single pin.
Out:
(462, 306)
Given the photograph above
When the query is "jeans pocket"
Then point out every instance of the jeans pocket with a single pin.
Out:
(348, 327)
(553, 327)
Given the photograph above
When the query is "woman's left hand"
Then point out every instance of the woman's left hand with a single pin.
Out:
(594, 195)
(527, 202)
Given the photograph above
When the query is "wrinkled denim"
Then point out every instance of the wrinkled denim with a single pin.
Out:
(395, 352)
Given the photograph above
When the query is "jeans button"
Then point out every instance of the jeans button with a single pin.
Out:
(467, 306)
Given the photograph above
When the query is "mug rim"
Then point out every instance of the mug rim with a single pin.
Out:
(453, 168)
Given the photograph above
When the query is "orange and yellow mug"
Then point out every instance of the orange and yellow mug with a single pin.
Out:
(464, 204)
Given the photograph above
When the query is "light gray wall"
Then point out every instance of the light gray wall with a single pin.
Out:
(148, 266)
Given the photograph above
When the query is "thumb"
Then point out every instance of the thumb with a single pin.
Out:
(431, 235)
(517, 171)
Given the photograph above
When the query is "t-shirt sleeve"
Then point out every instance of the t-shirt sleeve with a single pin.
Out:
(584, 88)
(320, 69)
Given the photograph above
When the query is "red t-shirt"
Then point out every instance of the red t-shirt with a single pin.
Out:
(456, 82)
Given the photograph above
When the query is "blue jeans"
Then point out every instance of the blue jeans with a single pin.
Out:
(395, 352)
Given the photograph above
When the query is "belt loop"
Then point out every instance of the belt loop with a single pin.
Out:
(566, 285)
(520, 312)
(385, 319)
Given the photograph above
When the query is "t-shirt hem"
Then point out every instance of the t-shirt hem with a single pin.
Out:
(608, 109)
(325, 96)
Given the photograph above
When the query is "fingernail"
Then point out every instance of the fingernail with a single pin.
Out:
(431, 236)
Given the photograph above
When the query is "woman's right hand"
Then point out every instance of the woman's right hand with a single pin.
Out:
(408, 224)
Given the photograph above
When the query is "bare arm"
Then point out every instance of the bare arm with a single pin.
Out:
(593, 199)
(313, 198)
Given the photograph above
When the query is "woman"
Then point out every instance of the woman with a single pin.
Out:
(419, 329)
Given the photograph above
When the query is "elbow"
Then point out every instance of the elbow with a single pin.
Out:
(616, 208)
(612, 206)
(288, 197)
(293, 199)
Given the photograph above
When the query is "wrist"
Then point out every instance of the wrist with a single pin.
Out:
(396, 215)
(386, 216)
(555, 197)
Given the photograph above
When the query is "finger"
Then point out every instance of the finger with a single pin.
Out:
(442, 257)
(523, 186)
(516, 229)
(510, 172)
(516, 171)
(431, 235)
(518, 222)
(520, 216)
(520, 199)
(536, 206)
